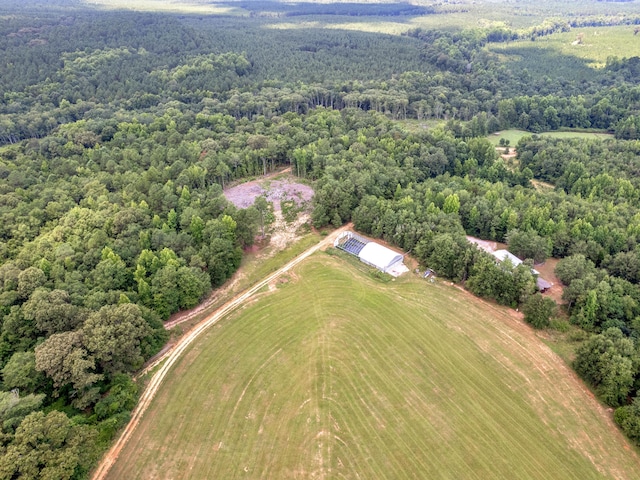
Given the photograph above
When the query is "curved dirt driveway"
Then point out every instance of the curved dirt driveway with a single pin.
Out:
(174, 353)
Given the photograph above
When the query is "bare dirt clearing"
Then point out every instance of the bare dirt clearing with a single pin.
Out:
(541, 186)
(547, 271)
(243, 195)
(486, 245)
(285, 233)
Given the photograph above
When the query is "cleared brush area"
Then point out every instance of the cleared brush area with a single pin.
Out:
(335, 375)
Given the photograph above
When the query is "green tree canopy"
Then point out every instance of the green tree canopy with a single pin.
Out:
(52, 311)
(20, 372)
(538, 310)
(113, 336)
(47, 447)
(609, 362)
(64, 358)
(528, 244)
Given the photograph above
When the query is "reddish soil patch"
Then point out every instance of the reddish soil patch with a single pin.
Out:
(243, 195)
(547, 271)
(252, 249)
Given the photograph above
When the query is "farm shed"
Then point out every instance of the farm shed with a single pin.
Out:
(380, 257)
(502, 255)
(371, 253)
(543, 285)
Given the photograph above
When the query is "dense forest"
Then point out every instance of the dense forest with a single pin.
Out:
(119, 132)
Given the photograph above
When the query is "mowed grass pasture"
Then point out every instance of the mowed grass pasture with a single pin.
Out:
(332, 374)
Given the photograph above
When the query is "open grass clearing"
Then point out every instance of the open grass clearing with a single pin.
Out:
(369, 24)
(164, 6)
(515, 135)
(593, 44)
(334, 375)
(449, 20)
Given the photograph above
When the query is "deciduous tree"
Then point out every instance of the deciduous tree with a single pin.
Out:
(113, 336)
(609, 362)
(47, 447)
(538, 310)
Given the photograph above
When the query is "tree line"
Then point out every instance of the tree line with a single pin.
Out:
(147, 63)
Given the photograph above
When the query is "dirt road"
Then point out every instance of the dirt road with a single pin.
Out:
(172, 355)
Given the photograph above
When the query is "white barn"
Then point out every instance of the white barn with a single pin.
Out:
(503, 255)
(380, 257)
(371, 253)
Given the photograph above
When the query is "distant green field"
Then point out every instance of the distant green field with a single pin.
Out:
(187, 6)
(367, 24)
(454, 16)
(597, 43)
(335, 375)
(514, 136)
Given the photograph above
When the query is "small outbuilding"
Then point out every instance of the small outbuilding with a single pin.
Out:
(543, 285)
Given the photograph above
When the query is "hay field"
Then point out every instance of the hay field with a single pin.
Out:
(331, 374)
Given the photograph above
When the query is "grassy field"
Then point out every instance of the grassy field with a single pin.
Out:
(514, 136)
(198, 7)
(597, 44)
(335, 375)
(454, 16)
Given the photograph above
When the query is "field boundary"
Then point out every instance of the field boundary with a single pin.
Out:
(172, 355)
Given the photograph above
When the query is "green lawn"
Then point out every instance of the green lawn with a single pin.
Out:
(597, 43)
(336, 375)
(514, 136)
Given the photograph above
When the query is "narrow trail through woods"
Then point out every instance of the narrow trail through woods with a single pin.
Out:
(174, 353)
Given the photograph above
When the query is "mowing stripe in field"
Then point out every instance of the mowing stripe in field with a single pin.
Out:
(337, 376)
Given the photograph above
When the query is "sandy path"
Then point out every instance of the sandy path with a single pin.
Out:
(215, 295)
(178, 349)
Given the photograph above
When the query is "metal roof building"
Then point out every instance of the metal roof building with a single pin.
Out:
(380, 257)
(371, 253)
(502, 255)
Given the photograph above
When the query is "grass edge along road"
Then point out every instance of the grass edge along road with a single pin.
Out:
(171, 356)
